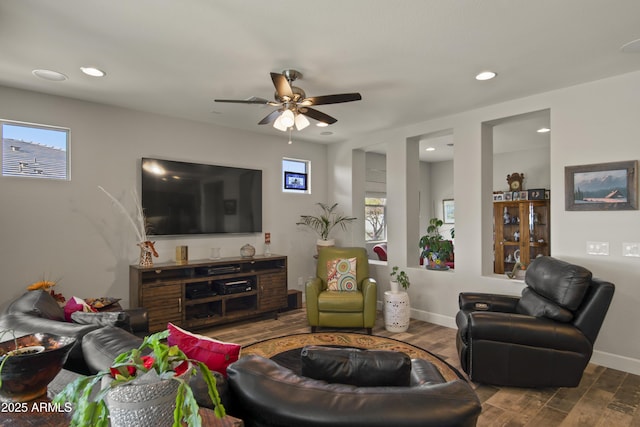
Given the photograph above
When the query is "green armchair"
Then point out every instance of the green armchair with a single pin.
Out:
(342, 309)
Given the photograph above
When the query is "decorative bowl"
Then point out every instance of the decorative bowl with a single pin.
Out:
(27, 371)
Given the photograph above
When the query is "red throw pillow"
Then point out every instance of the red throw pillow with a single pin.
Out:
(217, 355)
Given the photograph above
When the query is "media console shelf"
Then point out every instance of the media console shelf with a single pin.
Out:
(209, 292)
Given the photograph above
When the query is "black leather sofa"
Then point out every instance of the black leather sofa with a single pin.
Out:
(544, 338)
(263, 393)
(38, 311)
(97, 345)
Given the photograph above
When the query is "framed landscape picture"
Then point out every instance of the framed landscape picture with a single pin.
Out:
(601, 186)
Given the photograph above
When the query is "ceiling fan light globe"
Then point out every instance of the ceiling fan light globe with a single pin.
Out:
(279, 125)
(301, 122)
(287, 118)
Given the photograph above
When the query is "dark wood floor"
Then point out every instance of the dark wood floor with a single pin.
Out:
(605, 397)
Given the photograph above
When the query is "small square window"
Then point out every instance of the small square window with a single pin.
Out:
(296, 176)
(34, 151)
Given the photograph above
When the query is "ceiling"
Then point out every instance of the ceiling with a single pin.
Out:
(411, 60)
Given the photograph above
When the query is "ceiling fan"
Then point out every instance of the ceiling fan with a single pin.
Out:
(294, 105)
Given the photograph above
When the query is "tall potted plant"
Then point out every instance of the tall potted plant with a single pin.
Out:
(325, 223)
(435, 249)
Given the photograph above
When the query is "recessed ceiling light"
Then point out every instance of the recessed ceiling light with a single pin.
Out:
(430, 149)
(326, 133)
(543, 130)
(51, 75)
(93, 71)
(322, 124)
(486, 75)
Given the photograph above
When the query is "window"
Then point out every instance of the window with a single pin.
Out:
(35, 151)
(375, 226)
(296, 176)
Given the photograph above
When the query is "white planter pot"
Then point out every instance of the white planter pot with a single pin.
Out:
(324, 243)
(395, 286)
(144, 405)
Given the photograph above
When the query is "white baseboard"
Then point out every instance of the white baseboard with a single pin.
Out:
(609, 360)
(614, 361)
(437, 319)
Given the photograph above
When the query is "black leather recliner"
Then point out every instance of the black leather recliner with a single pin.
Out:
(542, 339)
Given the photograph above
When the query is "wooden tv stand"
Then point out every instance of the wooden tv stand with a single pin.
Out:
(189, 295)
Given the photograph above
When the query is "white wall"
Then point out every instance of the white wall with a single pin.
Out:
(534, 164)
(591, 123)
(70, 231)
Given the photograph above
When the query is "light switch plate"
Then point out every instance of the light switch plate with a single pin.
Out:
(597, 248)
(631, 249)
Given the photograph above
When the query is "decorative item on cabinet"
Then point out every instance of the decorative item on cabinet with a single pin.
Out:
(247, 251)
(515, 181)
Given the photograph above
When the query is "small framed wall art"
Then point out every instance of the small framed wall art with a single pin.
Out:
(601, 186)
(448, 211)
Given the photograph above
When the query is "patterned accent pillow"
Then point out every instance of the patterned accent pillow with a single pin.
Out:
(341, 275)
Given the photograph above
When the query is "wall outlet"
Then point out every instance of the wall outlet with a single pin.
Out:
(631, 249)
(597, 248)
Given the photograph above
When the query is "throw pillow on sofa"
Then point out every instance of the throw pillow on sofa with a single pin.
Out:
(75, 304)
(341, 275)
(362, 368)
(217, 355)
(39, 303)
(119, 319)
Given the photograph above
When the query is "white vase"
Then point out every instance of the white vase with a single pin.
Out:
(320, 243)
(395, 286)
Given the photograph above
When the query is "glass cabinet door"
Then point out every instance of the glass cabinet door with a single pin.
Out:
(521, 230)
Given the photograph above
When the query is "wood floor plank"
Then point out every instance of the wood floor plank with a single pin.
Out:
(604, 397)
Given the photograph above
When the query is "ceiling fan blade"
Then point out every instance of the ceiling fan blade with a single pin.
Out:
(318, 115)
(252, 100)
(331, 99)
(270, 118)
(283, 88)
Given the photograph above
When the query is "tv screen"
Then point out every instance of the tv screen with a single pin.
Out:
(181, 198)
(295, 181)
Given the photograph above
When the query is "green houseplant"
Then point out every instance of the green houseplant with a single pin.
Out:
(324, 223)
(400, 277)
(165, 364)
(435, 249)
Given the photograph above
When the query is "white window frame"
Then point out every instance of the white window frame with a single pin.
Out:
(28, 164)
(296, 165)
(384, 215)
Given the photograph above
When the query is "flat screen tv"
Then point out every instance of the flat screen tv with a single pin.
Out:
(180, 198)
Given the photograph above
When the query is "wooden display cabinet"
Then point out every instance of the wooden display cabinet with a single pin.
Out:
(187, 294)
(521, 232)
